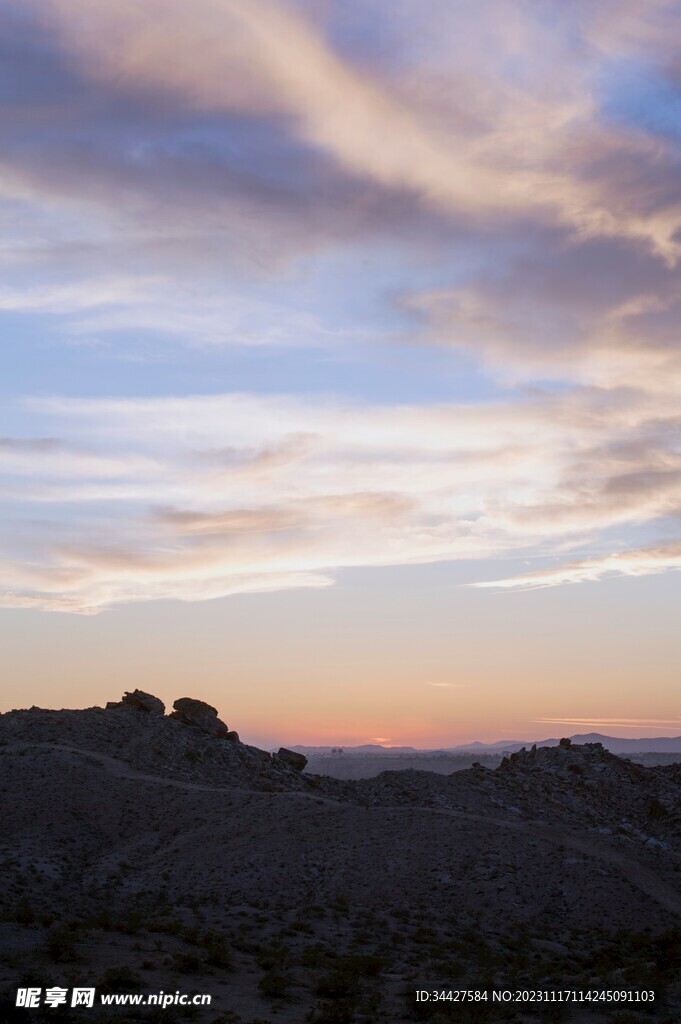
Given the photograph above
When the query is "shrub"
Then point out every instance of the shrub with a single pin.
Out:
(60, 944)
(188, 963)
(121, 979)
(275, 984)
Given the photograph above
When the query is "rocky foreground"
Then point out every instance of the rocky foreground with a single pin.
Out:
(143, 851)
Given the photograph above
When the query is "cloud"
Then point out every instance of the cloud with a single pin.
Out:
(92, 599)
(23, 445)
(49, 458)
(200, 497)
(523, 152)
(232, 523)
(598, 313)
(614, 723)
(631, 28)
(123, 211)
(642, 562)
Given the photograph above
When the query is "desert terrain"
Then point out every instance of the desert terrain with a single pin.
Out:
(142, 851)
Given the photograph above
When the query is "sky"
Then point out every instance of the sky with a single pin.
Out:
(340, 367)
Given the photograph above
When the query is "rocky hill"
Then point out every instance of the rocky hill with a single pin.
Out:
(145, 851)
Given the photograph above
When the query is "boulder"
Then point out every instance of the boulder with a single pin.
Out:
(232, 736)
(139, 701)
(292, 759)
(200, 715)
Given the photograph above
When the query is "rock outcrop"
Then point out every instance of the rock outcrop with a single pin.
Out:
(292, 759)
(139, 701)
(200, 715)
(566, 756)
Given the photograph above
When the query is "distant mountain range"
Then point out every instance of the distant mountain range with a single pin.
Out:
(616, 744)
(365, 748)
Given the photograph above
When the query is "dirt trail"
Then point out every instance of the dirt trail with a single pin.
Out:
(643, 878)
(640, 876)
(123, 770)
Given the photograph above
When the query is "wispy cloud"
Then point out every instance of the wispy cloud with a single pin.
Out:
(496, 158)
(613, 723)
(642, 562)
(205, 496)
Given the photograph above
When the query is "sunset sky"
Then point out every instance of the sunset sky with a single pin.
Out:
(341, 363)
